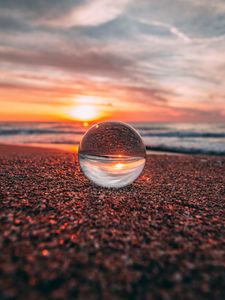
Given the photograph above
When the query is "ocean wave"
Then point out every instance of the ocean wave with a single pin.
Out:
(185, 150)
(158, 148)
(177, 138)
(183, 134)
(30, 131)
(144, 133)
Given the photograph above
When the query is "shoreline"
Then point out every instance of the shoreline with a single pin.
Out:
(74, 149)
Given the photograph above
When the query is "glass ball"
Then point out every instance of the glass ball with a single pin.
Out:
(112, 154)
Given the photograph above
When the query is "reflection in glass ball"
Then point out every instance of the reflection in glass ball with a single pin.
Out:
(112, 154)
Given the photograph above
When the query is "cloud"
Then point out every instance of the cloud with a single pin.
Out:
(91, 13)
(10, 23)
(70, 87)
(174, 31)
(91, 62)
(35, 9)
(164, 53)
(65, 14)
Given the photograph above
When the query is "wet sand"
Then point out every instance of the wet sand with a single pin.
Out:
(63, 238)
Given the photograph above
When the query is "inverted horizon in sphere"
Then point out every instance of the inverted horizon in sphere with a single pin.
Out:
(111, 172)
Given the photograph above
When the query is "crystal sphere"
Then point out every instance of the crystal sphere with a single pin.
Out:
(112, 154)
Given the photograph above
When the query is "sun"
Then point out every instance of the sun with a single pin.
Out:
(85, 112)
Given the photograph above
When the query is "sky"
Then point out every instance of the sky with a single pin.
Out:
(145, 60)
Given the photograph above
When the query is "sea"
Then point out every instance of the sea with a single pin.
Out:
(181, 138)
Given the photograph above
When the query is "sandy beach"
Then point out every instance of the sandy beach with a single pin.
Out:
(63, 238)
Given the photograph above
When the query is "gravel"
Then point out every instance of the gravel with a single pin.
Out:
(61, 237)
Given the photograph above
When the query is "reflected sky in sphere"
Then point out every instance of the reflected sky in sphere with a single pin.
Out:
(112, 154)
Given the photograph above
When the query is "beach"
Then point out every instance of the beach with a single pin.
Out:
(61, 237)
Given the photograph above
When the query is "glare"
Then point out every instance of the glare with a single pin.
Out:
(85, 112)
(118, 166)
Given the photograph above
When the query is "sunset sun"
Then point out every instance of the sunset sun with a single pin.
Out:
(85, 112)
